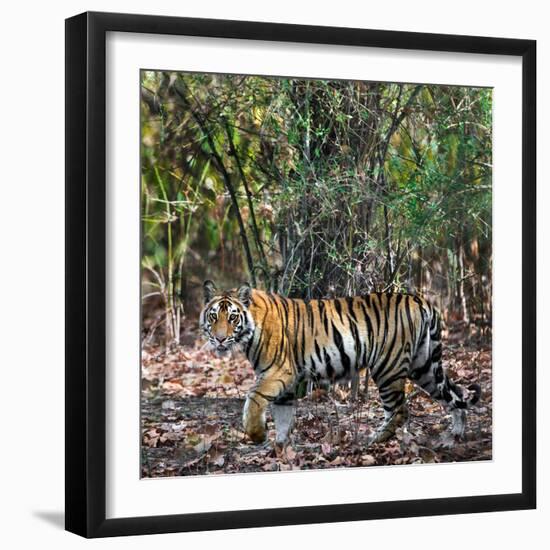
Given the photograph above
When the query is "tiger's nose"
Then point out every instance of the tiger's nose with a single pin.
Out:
(220, 339)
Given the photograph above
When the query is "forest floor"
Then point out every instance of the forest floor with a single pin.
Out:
(192, 402)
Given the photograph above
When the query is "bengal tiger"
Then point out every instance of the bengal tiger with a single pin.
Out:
(394, 336)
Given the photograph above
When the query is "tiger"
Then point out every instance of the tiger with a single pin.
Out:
(394, 336)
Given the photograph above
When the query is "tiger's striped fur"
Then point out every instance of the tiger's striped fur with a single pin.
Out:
(394, 336)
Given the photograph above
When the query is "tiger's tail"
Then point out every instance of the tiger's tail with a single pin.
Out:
(434, 378)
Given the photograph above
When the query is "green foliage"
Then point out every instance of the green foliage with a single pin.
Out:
(315, 188)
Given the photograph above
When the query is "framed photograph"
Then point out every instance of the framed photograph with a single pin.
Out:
(300, 274)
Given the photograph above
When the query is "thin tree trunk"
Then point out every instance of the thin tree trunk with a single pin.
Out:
(226, 178)
(255, 230)
(461, 274)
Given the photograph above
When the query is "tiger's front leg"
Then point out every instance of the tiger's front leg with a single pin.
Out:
(283, 411)
(268, 389)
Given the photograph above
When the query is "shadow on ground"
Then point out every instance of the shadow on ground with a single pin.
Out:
(57, 519)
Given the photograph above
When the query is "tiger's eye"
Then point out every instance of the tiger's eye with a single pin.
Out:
(232, 317)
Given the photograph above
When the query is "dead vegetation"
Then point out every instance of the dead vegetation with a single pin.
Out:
(191, 419)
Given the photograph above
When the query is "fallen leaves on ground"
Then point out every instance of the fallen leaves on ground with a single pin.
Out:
(192, 407)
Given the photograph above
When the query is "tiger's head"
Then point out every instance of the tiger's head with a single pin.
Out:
(225, 320)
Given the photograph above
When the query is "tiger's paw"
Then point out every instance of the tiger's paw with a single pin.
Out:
(379, 436)
(254, 422)
(256, 429)
(257, 435)
(279, 450)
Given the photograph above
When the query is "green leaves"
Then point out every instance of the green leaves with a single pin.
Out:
(346, 180)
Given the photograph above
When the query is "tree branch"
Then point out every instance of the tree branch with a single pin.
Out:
(226, 177)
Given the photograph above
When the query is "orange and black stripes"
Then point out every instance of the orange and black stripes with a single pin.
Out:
(394, 336)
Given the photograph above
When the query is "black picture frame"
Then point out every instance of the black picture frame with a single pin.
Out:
(86, 274)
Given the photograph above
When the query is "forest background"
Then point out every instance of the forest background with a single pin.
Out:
(308, 188)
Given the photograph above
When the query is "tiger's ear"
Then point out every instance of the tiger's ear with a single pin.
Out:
(209, 289)
(245, 294)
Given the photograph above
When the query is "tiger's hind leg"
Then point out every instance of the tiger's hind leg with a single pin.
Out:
(392, 393)
(428, 372)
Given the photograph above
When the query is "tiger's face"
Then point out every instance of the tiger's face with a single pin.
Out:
(225, 320)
